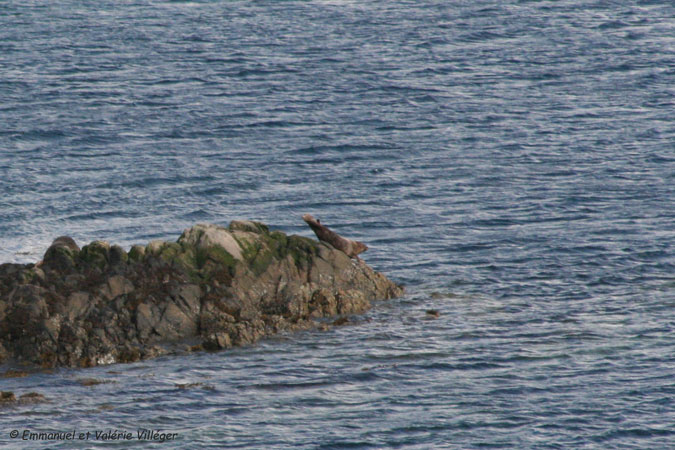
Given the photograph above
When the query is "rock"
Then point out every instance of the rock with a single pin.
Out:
(26, 309)
(129, 353)
(31, 397)
(116, 285)
(323, 303)
(8, 398)
(52, 326)
(352, 301)
(217, 341)
(136, 253)
(175, 324)
(96, 254)
(187, 297)
(4, 354)
(147, 316)
(153, 351)
(248, 225)
(77, 305)
(62, 254)
(91, 381)
(340, 321)
(219, 286)
(65, 242)
(11, 373)
(118, 256)
(203, 236)
(154, 247)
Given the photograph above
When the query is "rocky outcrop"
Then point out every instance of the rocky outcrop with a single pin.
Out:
(214, 288)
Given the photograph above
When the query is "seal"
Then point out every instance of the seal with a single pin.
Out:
(351, 248)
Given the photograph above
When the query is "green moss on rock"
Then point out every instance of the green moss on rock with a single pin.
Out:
(186, 259)
(249, 249)
(206, 264)
(277, 246)
(249, 225)
(261, 261)
(225, 287)
(61, 255)
(260, 253)
(209, 258)
(154, 247)
(136, 253)
(169, 251)
(302, 250)
(95, 254)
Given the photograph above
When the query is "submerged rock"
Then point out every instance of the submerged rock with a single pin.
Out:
(7, 398)
(222, 286)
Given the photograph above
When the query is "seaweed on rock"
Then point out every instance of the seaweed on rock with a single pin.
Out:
(220, 286)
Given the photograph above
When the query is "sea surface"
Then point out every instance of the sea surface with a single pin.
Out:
(511, 162)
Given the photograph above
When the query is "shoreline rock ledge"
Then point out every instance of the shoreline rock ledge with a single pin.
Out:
(215, 287)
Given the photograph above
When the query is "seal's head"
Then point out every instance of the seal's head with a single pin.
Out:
(357, 248)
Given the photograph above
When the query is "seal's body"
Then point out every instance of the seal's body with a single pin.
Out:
(351, 248)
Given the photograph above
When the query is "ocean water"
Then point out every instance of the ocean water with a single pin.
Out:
(511, 162)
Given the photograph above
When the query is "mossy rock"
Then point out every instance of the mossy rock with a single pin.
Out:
(208, 257)
(137, 253)
(213, 264)
(278, 238)
(261, 261)
(62, 254)
(154, 247)
(277, 246)
(191, 236)
(61, 257)
(302, 250)
(186, 258)
(259, 254)
(169, 251)
(278, 243)
(249, 249)
(27, 276)
(7, 397)
(117, 255)
(205, 236)
(95, 254)
(249, 225)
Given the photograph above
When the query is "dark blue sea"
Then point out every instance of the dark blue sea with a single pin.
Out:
(511, 162)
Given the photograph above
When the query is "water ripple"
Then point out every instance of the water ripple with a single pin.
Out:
(511, 162)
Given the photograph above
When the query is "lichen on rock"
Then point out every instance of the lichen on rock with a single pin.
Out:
(219, 286)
